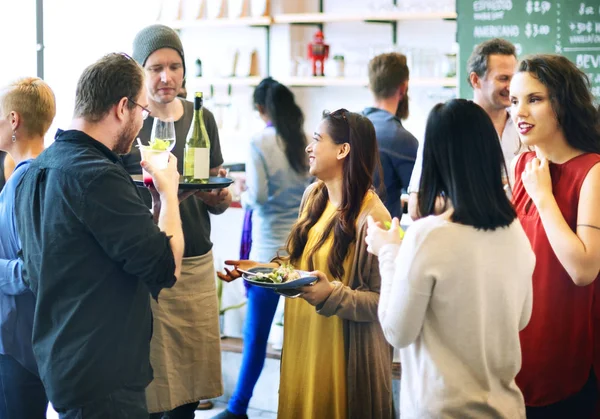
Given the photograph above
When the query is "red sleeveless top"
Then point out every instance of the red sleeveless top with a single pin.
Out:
(558, 343)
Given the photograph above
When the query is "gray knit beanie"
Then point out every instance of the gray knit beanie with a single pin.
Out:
(153, 38)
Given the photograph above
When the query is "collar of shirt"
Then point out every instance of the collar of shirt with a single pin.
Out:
(82, 138)
(381, 113)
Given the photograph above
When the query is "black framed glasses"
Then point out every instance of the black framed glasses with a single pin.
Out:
(145, 111)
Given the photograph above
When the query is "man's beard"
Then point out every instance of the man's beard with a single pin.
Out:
(125, 140)
(402, 110)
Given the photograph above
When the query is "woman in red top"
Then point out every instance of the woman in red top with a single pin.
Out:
(557, 196)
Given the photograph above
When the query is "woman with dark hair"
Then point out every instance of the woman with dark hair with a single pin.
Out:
(276, 177)
(457, 289)
(336, 363)
(557, 195)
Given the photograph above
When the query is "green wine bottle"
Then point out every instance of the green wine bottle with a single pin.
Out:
(196, 161)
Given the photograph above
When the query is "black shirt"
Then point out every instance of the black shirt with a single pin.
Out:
(194, 212)
(92, 255)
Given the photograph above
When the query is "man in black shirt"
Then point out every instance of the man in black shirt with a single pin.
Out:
(185, 350)
(92, 253)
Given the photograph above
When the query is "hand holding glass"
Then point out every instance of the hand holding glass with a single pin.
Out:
(162, 141)
(158, 158)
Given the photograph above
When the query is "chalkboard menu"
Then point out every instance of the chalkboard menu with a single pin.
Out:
(567, 27)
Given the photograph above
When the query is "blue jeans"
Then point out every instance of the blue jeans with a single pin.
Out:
(22, 393)
(262, 303)
(120, 404)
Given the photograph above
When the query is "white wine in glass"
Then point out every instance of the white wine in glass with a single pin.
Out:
(163, 135)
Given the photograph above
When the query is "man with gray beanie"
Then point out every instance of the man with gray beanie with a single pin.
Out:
(185, 349)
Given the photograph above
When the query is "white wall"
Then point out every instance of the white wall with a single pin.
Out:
(18, 34)
(77, 33)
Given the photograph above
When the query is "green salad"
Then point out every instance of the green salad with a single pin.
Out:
(279, 275)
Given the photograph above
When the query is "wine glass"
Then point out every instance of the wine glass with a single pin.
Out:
(163, 134)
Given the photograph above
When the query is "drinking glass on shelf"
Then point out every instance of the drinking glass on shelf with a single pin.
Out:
(163, 135)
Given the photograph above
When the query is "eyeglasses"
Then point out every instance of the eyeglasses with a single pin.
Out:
(145, 111)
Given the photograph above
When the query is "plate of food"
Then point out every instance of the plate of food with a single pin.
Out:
(284, 277)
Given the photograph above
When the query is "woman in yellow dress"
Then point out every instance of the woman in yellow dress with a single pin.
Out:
(336, 363)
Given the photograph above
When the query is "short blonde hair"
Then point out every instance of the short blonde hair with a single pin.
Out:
(33, 100)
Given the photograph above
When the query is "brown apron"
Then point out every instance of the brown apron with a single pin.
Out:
(185, 351)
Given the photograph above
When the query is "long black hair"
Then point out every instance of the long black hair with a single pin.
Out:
(357, 178)
(287, 119)
(463, 163)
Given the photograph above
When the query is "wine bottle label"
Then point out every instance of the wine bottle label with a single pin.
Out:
(201, 163)
(196, 164)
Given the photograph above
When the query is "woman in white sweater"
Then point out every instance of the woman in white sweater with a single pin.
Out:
(457, 292)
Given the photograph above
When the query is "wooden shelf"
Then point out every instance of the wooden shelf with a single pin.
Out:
(360, 81)
(304, 18)
(391, 16)
(316, 81)
(323, 81)
(221, 22)
(225, 81)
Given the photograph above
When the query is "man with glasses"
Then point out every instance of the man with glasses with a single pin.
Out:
(145, 111)
(91, 251)
(185, 350)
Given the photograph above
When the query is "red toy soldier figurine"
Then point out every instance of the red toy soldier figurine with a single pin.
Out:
(318, 51)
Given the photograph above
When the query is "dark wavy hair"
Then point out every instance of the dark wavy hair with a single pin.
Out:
(463, 163)
(570, 97)
(357, 177)
(287, 119)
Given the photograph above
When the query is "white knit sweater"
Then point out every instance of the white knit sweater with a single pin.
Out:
(454, 299)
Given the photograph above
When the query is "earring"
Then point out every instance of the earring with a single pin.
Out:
(14, 137)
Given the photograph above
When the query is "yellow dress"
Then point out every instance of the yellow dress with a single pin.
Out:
(313, 365)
